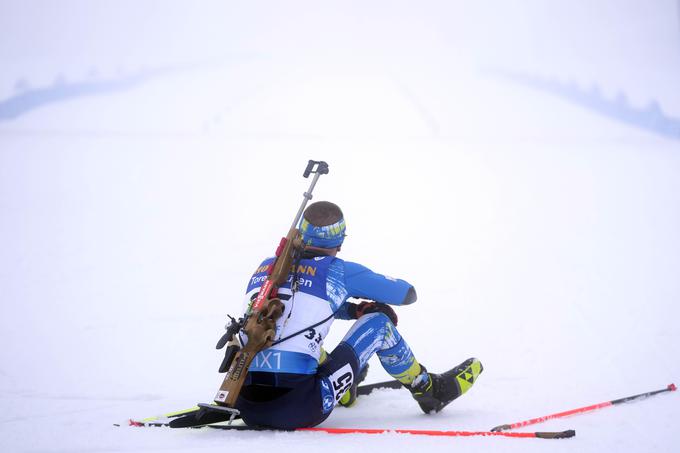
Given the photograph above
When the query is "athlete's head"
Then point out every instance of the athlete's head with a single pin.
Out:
(322, 225)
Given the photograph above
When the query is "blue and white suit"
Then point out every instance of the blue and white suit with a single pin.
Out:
(286, 386)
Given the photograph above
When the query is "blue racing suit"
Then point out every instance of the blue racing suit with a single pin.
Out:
(287, 386)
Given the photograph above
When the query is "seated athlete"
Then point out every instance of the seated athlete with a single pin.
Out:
(294, 383)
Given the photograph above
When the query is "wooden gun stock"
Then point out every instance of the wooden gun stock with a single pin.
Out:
(260, 326)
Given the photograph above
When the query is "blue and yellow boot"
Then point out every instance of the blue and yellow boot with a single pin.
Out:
(434, 391)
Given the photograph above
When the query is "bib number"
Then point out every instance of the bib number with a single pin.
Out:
(341, 381)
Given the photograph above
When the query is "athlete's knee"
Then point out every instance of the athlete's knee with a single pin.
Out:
(377, 319)
(374, 331)
(365, 308)
(374, 325)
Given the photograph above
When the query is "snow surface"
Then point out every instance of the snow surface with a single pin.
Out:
(541, 234)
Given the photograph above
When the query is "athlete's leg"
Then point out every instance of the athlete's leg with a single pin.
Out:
(375, 334)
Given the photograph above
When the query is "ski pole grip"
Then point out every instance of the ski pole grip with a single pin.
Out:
(321, 168)
(559, 435)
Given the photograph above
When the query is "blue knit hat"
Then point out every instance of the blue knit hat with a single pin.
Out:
(331, 229)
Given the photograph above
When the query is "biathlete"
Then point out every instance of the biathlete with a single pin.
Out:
(294, 383)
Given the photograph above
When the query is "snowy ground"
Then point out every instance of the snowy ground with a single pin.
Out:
(541, 234)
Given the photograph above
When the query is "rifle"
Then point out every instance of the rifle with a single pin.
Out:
(259, 323)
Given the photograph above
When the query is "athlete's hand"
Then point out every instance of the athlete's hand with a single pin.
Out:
(365, 308)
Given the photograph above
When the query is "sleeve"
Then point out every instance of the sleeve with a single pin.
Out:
(360, 281)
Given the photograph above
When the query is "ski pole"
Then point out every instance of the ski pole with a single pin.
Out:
(580, 410)
(418, 432)
(318, 168)
(426, 432)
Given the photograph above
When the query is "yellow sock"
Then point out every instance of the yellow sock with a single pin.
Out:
(323, 357)
(409, 375)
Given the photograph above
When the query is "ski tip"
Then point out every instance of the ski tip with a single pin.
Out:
(672, 387)
(132, 422)
(500, 428)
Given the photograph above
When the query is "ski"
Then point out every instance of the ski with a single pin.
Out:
(162, 420)
(184, 418)
(366, 389)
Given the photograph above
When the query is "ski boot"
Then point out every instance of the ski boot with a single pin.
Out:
(434, 391)
(350, 396)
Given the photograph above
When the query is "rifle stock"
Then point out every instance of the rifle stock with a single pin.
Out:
(260, 321)
(260, 326)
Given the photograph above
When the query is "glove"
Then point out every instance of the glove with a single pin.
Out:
(365, 308)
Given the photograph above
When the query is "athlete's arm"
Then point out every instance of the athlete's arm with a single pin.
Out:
(362, 282)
